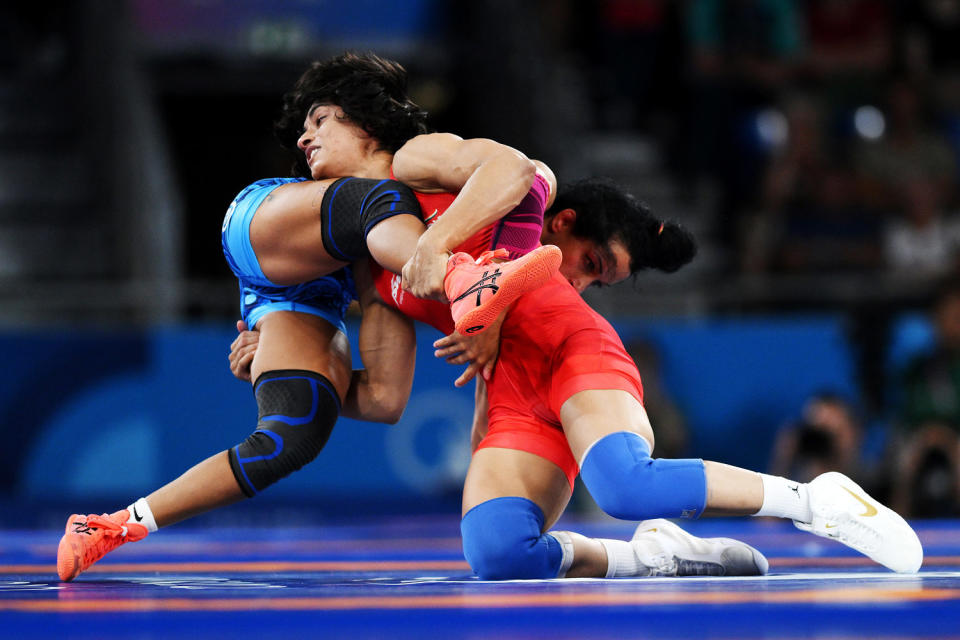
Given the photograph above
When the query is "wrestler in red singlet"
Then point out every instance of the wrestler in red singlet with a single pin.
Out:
(552, 345)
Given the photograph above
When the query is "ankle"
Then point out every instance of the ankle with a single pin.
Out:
(140, 513)
(785, 498)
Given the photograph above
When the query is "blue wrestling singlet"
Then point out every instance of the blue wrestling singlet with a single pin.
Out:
(327, 297)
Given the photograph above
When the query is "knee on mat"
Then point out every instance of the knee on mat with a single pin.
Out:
(502, 541)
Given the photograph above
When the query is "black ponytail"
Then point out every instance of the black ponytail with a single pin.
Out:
(663, 245)
(606, 212)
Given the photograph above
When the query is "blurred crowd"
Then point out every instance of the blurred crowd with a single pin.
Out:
(829, 129)
(828, 134)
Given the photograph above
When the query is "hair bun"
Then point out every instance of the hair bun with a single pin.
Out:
(671, 245)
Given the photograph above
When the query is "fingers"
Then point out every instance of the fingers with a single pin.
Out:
(240, 367)
(245, 339)
(451, 352)
(488, 369)
(240, 361)
(448, 346)
(242, 350)
(445, 341)
(468, 374)
(423, 274)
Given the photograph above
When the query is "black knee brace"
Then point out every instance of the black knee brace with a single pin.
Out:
(352, 206)
(297, 411)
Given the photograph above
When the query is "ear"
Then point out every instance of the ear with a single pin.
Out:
(563, 221)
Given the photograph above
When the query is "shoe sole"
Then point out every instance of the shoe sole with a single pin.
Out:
(532, 271)
(68, 559)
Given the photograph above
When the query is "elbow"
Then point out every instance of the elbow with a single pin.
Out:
(512, 164)
(391, 406)
(393, 414)
(525, 169)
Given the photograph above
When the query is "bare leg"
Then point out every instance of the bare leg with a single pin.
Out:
(732, 491)
(205, 486)
(394, 241)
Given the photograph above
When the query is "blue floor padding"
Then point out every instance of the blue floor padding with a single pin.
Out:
(405, 578)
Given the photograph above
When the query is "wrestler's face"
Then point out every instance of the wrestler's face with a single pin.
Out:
(585, 262)
(333, 145)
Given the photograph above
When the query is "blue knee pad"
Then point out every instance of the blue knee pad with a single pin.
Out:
(628, 484)
(502, 541)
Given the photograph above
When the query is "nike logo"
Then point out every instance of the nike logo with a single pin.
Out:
(431, 216)
(871, 510)
(136, 516)
(654, 530)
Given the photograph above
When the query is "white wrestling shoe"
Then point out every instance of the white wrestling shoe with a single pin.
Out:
(844, 512)
(668, 550)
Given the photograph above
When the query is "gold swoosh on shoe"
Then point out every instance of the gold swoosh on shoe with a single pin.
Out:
(871, 510)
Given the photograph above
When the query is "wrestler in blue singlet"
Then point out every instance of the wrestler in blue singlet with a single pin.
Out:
(327, 297)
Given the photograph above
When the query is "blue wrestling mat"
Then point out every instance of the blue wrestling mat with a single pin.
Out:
(406, 578)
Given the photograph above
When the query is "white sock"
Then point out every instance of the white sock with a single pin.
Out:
(566, 544)
(141, 514)
(622, 562)
(785, 499)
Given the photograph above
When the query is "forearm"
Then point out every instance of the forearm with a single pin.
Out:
(494, 188)
(387, 347)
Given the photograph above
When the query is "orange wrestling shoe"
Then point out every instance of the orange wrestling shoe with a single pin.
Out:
(480, 289)
(89, 538)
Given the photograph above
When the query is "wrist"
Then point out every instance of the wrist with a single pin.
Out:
(435, 240)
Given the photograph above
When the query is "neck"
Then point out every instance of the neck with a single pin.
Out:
(378, 166)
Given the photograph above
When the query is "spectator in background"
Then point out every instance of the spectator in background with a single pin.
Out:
(927, 444)
(930, 46)
(850, 45)
(909, 149)
(809, 217)
(825, 229)
(922, 242)
(827, 436)
(793, 172)
(629, 42)
(743, 53)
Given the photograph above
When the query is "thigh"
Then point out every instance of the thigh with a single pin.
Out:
(588, 416)
(500, 473)
(291, 340)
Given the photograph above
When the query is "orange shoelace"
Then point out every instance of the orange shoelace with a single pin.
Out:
(489, 256)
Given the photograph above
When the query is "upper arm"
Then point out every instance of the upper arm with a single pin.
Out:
(444, 161)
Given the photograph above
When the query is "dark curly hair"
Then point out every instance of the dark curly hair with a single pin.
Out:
(606, 212)
(372, 91)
